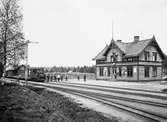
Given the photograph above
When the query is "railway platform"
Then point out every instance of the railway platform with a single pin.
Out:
(150, 86)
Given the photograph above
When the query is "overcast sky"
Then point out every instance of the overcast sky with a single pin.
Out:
(72, 32)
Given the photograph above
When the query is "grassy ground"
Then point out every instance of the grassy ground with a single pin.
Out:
(25, 104)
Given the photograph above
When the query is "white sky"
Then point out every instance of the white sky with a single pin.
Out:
(72, 32)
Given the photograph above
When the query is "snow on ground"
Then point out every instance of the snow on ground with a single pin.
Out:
(152, 86)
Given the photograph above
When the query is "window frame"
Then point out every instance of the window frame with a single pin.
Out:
(120, 71)
(108, 71)
(129, 71)
(147, 71)
(146, 55)
(111, 58)
(154, 56)
(154, 71)
(101, 71)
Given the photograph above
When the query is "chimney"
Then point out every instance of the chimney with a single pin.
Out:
(119, 40)
(136, 38)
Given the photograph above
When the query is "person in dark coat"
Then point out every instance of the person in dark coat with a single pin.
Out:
(61, 77)
(66, 78)
(51, 78)
(47, 78)
(84, 77)
(78, 77)
(55, 78)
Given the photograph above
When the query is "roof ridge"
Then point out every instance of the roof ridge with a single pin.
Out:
(129, 48)
(134, 42)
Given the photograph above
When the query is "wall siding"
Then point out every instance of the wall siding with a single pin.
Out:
(125, 77)
(142, 73)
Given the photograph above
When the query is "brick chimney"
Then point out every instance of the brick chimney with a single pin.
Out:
(136, 38)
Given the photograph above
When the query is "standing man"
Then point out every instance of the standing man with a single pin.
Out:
(66, 77)
(58, 77)
(55, 78)
(47, 77)
(78, 77)
(61, 77)
(84, 77)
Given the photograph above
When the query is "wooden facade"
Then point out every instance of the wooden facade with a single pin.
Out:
(140, 60)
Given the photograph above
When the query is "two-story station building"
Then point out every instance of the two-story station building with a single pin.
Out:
(140, 60)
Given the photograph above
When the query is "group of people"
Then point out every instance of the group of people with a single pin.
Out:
(56, 78)
(84, 77)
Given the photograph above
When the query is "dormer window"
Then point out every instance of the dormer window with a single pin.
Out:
(154, 56)
(113, 57)
(146, 55)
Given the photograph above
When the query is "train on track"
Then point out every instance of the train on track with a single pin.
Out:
(39, 75)
(34, 74)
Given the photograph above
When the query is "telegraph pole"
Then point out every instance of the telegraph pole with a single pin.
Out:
(26, 57)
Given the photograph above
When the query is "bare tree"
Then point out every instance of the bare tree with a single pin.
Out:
(11, 33)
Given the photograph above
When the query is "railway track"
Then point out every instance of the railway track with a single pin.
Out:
(158, 104)
(110, 87)
(133, 106)
(151, 116)
(146, 93)
(106, 99)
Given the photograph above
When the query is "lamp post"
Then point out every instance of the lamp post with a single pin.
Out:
(26, 51)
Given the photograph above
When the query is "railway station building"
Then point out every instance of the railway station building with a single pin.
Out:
(139, 60)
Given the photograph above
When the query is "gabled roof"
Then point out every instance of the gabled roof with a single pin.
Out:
(100, 56)
(135, 48)
(122, 45)
(114, 44)
(130, 49)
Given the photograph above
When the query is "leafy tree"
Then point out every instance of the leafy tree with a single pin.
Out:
(11, 32)
(81, 69)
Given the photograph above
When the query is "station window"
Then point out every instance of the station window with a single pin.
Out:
(111, 59)
(154, 72)
(114, 57)
(130, 71)
(108, 68)
(146, 69)
(146, 55)
(154, 56)
(120, 71)
(114, 70)
(130, 59)
(101, 71)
